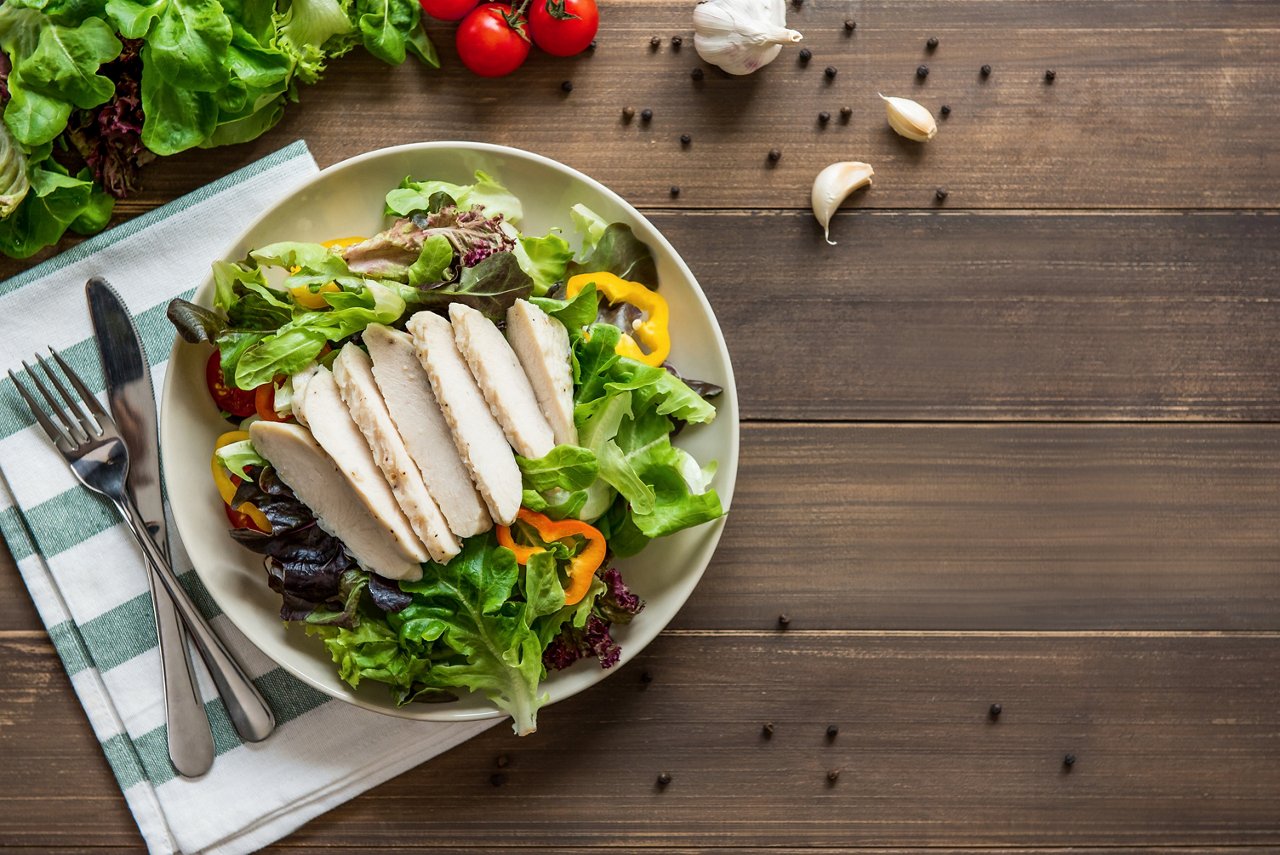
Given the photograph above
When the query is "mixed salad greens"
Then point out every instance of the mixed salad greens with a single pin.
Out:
(518, 600)
(92, 90)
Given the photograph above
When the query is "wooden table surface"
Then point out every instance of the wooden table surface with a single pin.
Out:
(1018, 447)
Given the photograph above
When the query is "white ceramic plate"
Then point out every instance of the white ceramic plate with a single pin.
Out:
(347, 199)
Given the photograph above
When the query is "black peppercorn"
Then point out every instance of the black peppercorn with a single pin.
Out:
(664, 779)
(628, 113)
(1049, 75)
(850, 26)
(797, 2)
(646, 115)
(832, 731)
(1069, 760)
(846, 113)
(676, 41)
(824, 117)
(592, 46)
(941, 193)
(830, 72)
(986, 70)
(567, 86)
(675, 191)
(932, 43)
(805, 55)
(497, 779)
(922, 71)
(685, 139)
(502, 761)
(767, 730)
(774, 154)
(833, 776)
(946, 109)
(646, 677)
(996, 709)
(697, 74)
(655, 42)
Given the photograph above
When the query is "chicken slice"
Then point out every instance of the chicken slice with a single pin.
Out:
(353, 370)
(498, 373)
(476, 433)
(338, 435)
(406, 389)
(305, 467)
(541, 343)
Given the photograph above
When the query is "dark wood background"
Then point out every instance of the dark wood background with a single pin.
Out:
(1020, 447)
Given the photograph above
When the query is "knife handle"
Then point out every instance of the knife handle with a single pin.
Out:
(249, 711)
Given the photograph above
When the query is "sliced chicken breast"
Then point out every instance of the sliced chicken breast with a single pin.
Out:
(313, 477)
(406, 389)
(338, 435)
(353, 370)
(541, 343)
(498, 373)
(476, 434)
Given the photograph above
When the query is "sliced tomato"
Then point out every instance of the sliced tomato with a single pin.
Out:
(237, 402)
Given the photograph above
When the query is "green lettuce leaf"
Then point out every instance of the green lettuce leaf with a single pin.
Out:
(565, 467)
(467, 605)
(54, 69)
(54, 202)
(433, 262)
(486, 192)
(620, 252)
(238, 456)
(545, 259)
(576, 314)
(589, 224)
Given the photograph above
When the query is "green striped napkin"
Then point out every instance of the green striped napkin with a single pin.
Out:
(86, 575)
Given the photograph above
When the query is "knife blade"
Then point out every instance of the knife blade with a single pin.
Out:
(133, 405)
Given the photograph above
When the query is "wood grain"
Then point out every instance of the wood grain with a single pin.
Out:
(1175, 738)
(1026, 315)
(1000, 527)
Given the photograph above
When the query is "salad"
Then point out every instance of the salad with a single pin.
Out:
(447, 433)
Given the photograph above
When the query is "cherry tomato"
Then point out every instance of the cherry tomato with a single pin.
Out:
(448, 10)
(492, 41)
(563, 27)
(238, 402)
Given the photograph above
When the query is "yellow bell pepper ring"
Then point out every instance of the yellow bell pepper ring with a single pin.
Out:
(308, 299)
(227, 490)
(653, 331)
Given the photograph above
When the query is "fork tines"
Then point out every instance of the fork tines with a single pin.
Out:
(74, 425)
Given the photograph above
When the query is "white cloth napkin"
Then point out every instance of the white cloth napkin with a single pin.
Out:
(87, 579)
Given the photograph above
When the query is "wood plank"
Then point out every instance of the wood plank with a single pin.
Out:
(975, 527)
(994, 315)
(972, 527)
(1175, 739)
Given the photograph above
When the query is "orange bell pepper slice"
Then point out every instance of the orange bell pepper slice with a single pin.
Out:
(582, 567)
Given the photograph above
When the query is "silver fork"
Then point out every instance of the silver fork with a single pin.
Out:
(100, 461)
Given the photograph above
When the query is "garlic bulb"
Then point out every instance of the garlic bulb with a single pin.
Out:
(832, 186)
(910, 119)
(740, 36)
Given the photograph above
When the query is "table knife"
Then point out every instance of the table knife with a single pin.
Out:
(133, 405)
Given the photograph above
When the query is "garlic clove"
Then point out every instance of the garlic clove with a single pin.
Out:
(740, 36)
(832, 186)
(909, 119)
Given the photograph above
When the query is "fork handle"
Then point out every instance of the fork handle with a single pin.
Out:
(249, 712)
